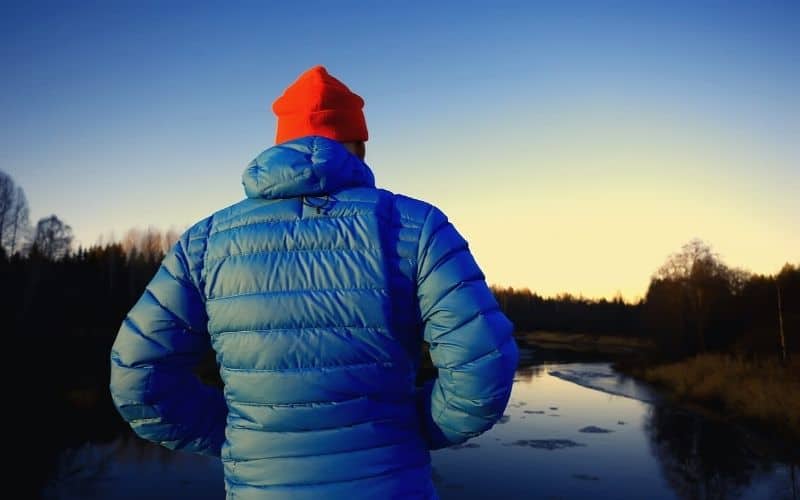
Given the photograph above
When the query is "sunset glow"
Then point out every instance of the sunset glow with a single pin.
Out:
(575, 147)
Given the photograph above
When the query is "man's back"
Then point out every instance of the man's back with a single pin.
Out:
(319, 373)
(316, 292)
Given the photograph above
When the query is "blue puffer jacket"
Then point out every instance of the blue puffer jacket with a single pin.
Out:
(315, 293)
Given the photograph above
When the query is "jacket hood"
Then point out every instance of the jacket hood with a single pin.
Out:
(311, 165)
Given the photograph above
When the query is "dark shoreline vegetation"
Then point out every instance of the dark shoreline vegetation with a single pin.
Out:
(705, 332)
(761, 392)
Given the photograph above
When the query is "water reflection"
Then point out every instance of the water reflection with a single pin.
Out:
(127, 468)
(706, 459)
(558, 439)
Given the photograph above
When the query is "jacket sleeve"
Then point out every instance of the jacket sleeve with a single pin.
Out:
(159, 343)
(471, 341)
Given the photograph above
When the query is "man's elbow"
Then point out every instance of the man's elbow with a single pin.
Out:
(486, 387)
(499, 379)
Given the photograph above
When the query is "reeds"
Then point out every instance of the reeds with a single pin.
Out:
(766, 391)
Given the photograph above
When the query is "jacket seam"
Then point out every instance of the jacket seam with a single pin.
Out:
(182, 281)
(471, 318)
(304, 369)
(441, 260)
(296, 405)
(138, 331)
(447, 292)
(287, 250)
(422, 249)
(183, 261)
(400, 424)
(291, 292)
(497, 350)
(288, 330)
(449, 428)
(338, 452)
(285, 221)
(183, 324)
(201, 286)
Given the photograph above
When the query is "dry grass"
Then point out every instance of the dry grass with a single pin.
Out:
(763, 391)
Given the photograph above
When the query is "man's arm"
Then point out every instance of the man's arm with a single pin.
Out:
(159, 343)
(471, 341)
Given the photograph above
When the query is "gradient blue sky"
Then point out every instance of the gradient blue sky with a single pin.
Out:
(575, 144)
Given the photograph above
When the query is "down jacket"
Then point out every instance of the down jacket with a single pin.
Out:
(316, 293)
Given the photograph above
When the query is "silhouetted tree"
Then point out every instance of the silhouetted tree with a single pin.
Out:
(788, 282)
(131, 241)
(7, 190)
(689, 298)
(151, 245)
(19, 223)
(756, 314)
(52, 238)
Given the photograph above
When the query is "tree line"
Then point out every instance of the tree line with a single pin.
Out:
(76, 299)
(695, 303)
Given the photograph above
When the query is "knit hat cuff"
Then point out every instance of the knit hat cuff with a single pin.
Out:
(343, 125)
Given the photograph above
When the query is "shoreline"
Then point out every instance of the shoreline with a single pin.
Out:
(760, 394)
(611, 345)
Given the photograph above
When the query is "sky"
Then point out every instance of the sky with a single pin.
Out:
(575, 145)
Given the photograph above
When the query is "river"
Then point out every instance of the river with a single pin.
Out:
(571, 431)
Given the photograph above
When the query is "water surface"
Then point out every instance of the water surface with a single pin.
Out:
(578, 431)
(571, 431)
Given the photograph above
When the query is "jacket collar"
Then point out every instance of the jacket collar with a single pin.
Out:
(311, 165)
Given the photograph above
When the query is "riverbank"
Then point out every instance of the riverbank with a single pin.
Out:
(763, 392)
(585, 343)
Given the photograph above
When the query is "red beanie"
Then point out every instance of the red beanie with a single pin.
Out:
(319, 104)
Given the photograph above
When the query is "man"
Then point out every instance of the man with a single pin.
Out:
(315, 293)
